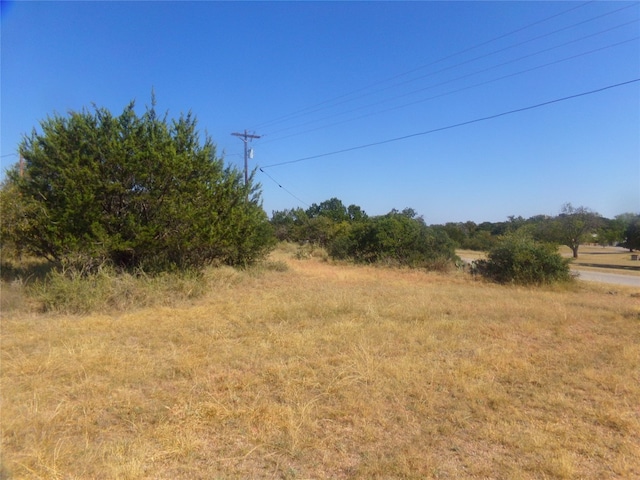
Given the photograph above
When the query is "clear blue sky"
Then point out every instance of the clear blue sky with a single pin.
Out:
(317, 77)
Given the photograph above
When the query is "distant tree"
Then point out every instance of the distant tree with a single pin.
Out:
(333, 209)
(632, 234)
(136, 191)
(573, 227)
(534, 222)
(326, 224)
(411, 213)
(356, 214)
(400, 238)
(320, 230)
(514, 223)
(290, 225)
(481, 240)
(319, 224)
(626, 218)
(455, 233)
(470, 236)
(610, 232)
(493, 228)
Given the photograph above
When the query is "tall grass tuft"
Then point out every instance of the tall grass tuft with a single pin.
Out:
(77, 292)
(106, 289)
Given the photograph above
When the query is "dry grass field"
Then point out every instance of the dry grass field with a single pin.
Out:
(329, 371)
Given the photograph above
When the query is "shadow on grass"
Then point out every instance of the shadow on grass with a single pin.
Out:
(26, 271)
(615, 267)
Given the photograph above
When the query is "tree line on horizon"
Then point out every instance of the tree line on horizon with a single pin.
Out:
(326, 223)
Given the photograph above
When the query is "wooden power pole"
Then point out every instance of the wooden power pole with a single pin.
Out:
(246, 138)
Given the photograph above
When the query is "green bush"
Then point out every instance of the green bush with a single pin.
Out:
(518, 258)
(134, 192)
(395, 239)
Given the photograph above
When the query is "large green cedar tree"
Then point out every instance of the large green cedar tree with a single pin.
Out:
(136, 191)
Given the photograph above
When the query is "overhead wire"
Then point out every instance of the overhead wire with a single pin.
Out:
(450, 67)
(350, 97)
(457, 90)
(456, 125)
(279, 185)
(445, 82)
(308, 110)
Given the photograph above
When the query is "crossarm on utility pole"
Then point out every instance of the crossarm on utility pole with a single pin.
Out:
(245, 137)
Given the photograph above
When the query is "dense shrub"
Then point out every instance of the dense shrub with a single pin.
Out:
(518, 258)
(396, 238)
(107, 290)
(132, 192)
(348, 233)
(320, 224)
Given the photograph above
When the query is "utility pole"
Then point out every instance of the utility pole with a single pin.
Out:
(246, 138)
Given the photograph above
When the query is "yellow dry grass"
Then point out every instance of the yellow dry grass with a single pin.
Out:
(330, 371)
(602, 257)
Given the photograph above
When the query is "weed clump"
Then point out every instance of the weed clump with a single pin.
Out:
(74, 293)
(33, 285)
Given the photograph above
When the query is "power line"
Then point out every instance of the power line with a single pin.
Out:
(332, 102)
(304, 111)
(486, 69)
(457, 90)
(448, 127)
(278, 183)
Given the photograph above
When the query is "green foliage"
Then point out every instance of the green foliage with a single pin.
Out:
(470, 236)
(632, 234)
(333, 209)
(396, 238)
(611, 232)
(356, 214)
(348, 233)
(481, 240)
(290, 225)
(135, 192)
(15, 211)
(319, 224)
(518, 258)
(573, 227)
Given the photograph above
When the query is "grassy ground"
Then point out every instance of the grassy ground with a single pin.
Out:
(325, 371)
(616, 258)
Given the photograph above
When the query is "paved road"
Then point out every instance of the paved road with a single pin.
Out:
(605, 277)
